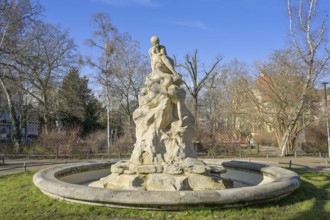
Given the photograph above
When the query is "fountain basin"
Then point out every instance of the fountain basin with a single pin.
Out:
(253, 183)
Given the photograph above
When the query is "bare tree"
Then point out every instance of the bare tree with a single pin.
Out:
(276, 95)
(47, 54)
(16, 18)
(197, 79)
(308, 37)
(224, 101)
(237, 104)
(130, 68)
(103, 39)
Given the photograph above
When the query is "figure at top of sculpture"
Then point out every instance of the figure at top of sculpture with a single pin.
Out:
(159, 59)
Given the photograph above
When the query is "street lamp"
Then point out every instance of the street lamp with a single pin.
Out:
(326, 114)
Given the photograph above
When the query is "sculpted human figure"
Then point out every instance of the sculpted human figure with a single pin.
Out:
(159, 59)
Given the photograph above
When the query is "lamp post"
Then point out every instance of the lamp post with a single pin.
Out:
(326, 114)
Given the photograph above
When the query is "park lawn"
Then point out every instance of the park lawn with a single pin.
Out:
(20, 199)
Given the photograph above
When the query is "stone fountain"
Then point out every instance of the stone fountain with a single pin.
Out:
(163, 158)
(163, 172)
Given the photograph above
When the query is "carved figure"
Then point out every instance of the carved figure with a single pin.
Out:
(159, 59)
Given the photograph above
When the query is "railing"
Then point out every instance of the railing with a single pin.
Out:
(101, 156)
(67, 156)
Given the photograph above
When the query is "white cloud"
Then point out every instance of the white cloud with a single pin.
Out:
(193, 24)
(148, 3)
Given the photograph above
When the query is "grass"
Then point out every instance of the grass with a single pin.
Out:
(20, 199)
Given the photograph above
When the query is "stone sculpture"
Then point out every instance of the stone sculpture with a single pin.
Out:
(163, 157)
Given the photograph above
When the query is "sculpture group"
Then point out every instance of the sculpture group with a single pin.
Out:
(163, 158)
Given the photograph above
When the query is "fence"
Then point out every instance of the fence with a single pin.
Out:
(87, 156)
(126, 156)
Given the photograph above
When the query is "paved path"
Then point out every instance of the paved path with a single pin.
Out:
(20, 165)
(308, 163)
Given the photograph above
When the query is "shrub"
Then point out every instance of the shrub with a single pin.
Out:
(265, 139)
(124, 145)
(63, 142)
(97, 141)
(316, 138)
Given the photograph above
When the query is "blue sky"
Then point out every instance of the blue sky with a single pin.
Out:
(244, 29)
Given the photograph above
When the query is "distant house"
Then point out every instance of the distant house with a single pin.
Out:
(31, 130)
(6, 127)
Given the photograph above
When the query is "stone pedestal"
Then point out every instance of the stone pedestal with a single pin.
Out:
(188, 174)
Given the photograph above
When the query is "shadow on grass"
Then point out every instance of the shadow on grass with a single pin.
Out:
(311, 200)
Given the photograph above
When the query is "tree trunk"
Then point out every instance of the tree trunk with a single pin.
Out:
(13, 117)
(195, 103)
(108, 129)
(293, 122)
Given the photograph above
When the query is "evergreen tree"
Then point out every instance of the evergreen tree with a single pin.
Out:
(78, 106)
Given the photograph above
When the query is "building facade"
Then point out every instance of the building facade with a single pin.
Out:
(30, 130)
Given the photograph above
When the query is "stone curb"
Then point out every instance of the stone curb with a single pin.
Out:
(284, 183)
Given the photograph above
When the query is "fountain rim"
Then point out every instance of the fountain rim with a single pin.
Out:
(284, 183)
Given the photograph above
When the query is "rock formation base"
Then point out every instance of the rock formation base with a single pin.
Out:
(190, 174)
